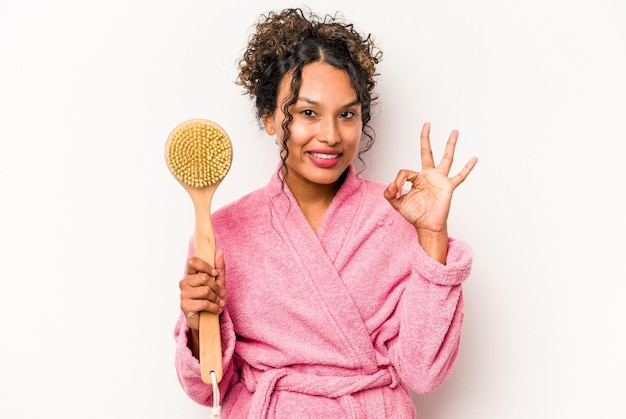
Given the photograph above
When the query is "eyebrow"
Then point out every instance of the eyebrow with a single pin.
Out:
(316, 103)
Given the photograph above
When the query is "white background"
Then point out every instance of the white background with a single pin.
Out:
(93, 228)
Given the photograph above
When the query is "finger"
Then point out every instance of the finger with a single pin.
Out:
(425, 150)
(448, 154)
(197, 265)
(203, 285)
(193, 307)
(220, 267)
(394, 189)
(212, 307)
(392, 192)
(201, 292)
(219, 261)
(207, 290)
(207, 296)
(201, 279)
(217, 292)
(462, 175)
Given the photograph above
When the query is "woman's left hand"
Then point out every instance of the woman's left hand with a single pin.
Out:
(427, 204)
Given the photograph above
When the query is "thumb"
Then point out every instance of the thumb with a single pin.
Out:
(392, 194)
(220, 266)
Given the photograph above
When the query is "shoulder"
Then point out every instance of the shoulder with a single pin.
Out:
(373, 196)
(379, 211)
(361, 188)
(366, 196)
(240, 209)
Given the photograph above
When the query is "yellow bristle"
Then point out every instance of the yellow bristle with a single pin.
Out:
(198, 153)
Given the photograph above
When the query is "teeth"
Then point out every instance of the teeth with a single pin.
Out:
(324, 156)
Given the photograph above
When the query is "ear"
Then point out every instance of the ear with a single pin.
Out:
(268, 123)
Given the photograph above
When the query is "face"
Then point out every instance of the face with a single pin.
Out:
(326, 126)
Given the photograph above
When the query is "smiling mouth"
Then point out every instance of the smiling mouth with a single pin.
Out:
(324, 156)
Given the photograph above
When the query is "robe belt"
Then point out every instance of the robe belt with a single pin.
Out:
(263, 383)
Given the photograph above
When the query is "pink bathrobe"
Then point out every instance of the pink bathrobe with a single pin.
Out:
(338, 323)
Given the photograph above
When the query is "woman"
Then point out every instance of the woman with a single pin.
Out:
(343, 294)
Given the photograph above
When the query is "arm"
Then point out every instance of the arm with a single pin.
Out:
(431, 317)
(202, 288)
(431, 306)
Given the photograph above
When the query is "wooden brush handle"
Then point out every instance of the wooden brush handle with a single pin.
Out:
(198, 152)
(204, 243)
(210, 347)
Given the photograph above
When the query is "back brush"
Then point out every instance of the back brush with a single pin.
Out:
(198, 153)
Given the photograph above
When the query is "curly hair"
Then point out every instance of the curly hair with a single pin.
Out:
(286, 41)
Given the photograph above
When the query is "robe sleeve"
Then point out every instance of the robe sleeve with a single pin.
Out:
(431, 316)
(188, 366)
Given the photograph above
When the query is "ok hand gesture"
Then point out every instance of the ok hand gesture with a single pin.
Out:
(427, 203)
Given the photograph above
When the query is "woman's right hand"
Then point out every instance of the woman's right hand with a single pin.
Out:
(203, 289)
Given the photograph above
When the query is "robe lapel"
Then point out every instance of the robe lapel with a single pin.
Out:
(315, 253)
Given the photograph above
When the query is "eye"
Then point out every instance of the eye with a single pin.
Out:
(309, 113)
(348, 115)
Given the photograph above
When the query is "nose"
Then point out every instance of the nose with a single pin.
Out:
(329, 132)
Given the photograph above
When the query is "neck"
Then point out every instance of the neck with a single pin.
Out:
(313, 199)
(313, 193)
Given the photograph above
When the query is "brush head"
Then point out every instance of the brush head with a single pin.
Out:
(198, 152)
